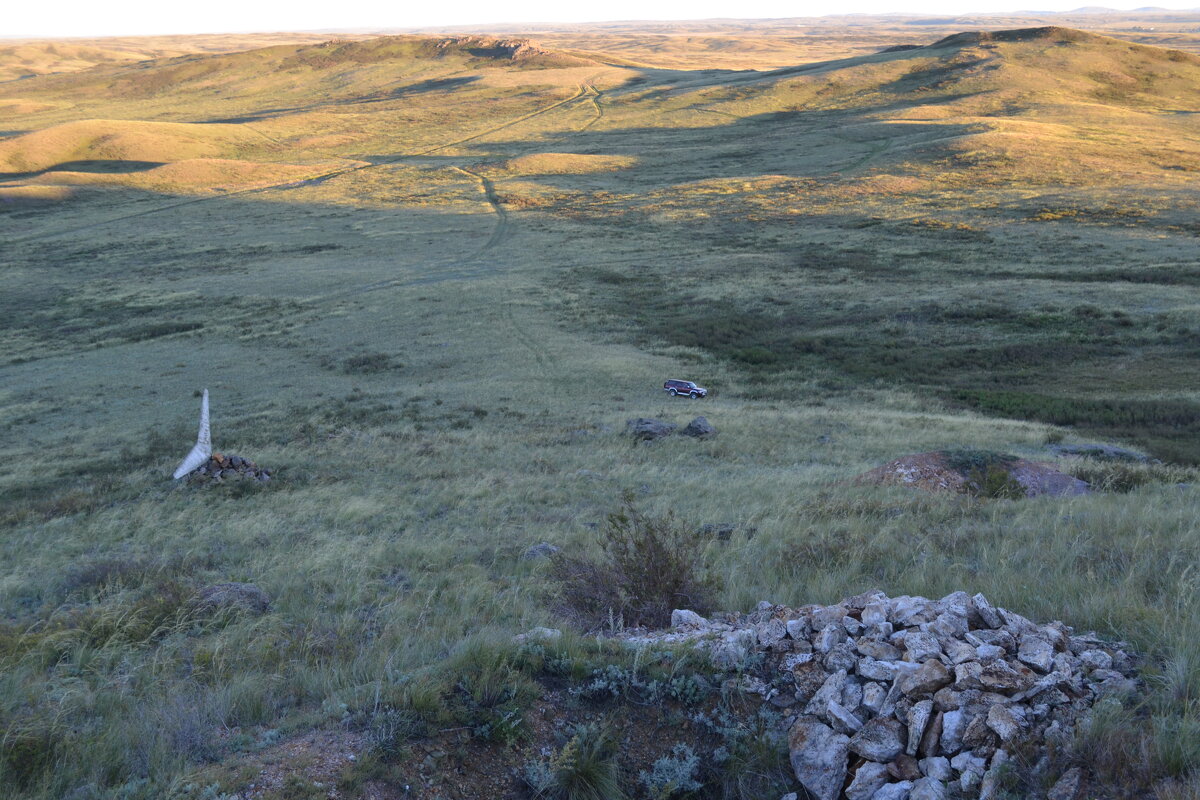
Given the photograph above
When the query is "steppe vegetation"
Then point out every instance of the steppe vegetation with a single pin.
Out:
(427, 281)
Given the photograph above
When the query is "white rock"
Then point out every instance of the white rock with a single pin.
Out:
(683, 618)
(949, 626)
(928, 789)
(819, 757)
(1036, 652)
(829, 636)
(797, 628)
(918, 718)
(869, 778)
(965, 762)
(936, 767)
(958, 652)
(988, 614)
(841, 719)
(987, 653)
(921, 647)
(1095, 659)
(874, 614)
(873, 696)
(907, 611)
(830, 692)
(989, 786)
(893, 791)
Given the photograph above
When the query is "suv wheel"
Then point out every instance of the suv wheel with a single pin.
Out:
(694, 395)
(672, 392)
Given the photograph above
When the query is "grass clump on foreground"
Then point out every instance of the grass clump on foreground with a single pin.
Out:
(402, 341)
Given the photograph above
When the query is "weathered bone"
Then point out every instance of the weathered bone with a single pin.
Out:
(203, 449)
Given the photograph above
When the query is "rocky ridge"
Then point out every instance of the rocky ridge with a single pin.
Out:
(910, 698)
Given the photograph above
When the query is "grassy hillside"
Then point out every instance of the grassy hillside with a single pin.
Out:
(427, 280)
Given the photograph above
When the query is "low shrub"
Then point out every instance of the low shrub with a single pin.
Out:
(648, 566)
(672, 775)
(584, 769)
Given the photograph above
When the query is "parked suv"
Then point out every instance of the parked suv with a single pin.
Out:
(675, 388)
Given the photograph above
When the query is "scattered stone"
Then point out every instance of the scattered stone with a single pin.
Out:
(819, 758)
(699, 428)
(645, 429)
(538, 551)
(220, 468)
(244, 597)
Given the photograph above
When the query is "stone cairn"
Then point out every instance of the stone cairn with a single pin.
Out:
(220, 468)
(907, 698)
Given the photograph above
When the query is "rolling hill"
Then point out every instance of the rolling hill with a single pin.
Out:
(427, 279)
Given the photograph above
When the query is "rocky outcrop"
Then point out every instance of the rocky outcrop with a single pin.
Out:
(909, 697)
(936, 472)
(699, 428)
(647, 429)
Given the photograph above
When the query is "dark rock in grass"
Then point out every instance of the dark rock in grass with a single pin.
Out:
(232, 596)
(539, 551)
(1039, 479)
(699, 428)
(647, 429)
(722, 530)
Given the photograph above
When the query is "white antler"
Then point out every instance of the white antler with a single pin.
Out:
(203, 448)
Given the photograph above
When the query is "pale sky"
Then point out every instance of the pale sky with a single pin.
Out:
(142, 17)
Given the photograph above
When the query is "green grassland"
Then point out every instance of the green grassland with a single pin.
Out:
(428, 282)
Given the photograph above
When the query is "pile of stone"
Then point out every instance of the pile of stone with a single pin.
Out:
(648, 429)
(913, 699)
(220, 468)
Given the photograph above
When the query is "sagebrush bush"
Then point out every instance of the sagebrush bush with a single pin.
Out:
(585, 768)
(647, 567)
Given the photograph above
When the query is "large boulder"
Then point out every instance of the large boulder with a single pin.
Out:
(647, 429)
(699, 428)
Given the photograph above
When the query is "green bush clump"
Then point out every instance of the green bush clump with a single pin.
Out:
(584, 769)
(672, 775)
(648, 566)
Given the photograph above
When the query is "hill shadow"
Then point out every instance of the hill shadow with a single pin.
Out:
(111, 166)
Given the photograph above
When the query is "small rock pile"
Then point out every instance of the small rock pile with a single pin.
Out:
(648, 429)
(220, 468)
(913, 699)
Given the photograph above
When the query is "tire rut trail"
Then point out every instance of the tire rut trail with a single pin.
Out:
(310, 181)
